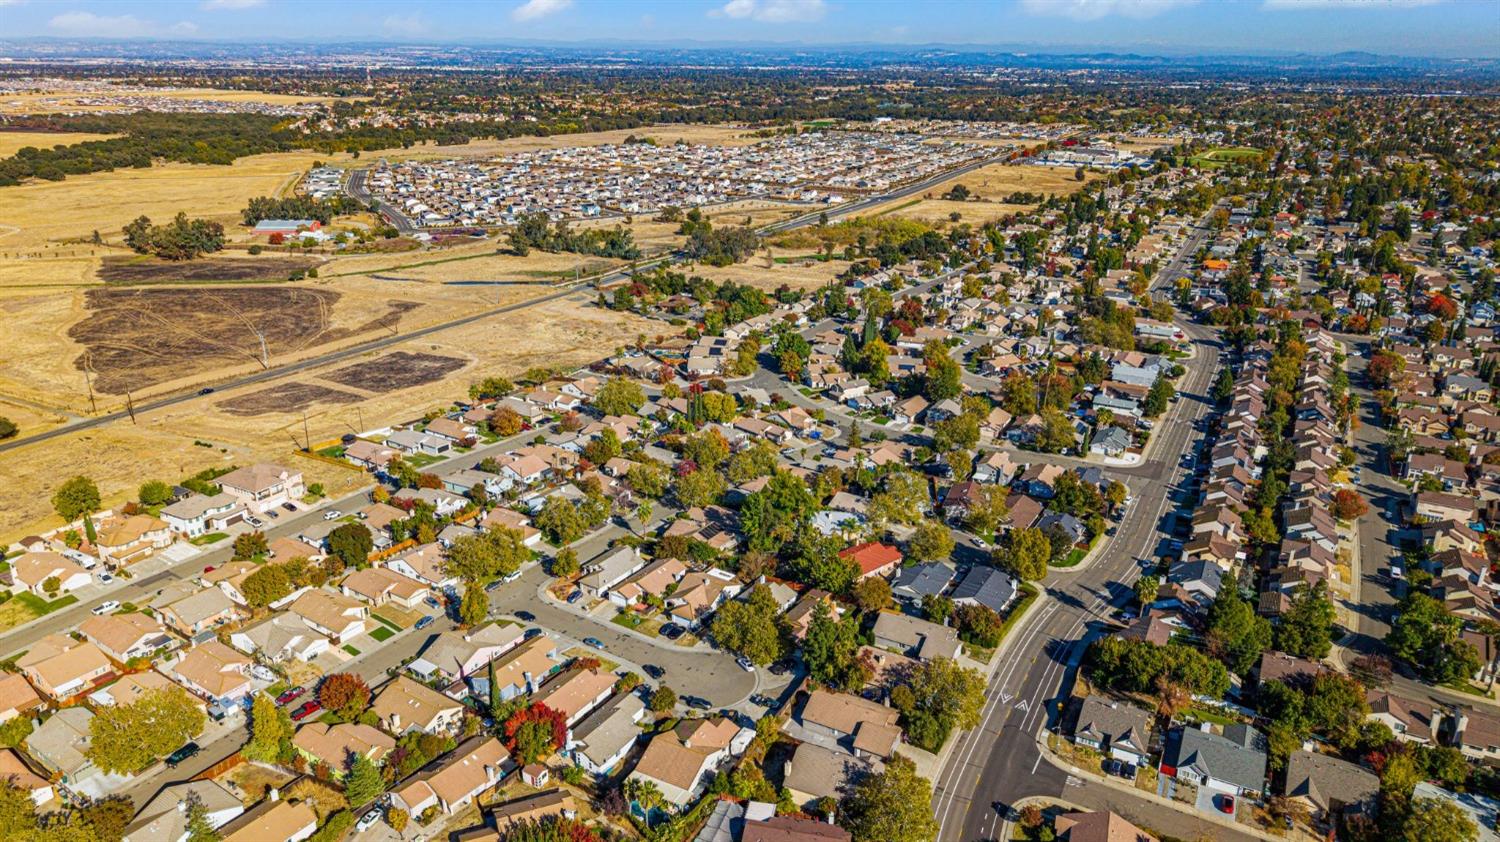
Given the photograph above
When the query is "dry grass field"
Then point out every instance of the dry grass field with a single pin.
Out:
(939, 212)
(771, 275)
(991, 185)
(12, 141)
(240, 425)
(53, 102)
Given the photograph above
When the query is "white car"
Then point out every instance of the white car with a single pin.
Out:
(106, 607)
(254, 521)
(332, 514)
(105, 578)
(745, 664)
(367, 821)
(981, 544)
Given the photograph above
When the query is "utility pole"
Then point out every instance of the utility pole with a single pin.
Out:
(88, 363)
(130, 406)
(306, 436)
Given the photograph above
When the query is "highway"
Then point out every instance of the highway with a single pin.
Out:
(562, 291)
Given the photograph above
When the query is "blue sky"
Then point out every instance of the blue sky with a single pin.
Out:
(1402, 27)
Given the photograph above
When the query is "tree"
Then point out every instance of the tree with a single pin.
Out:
(561, 521)
(1025, 554)
(199, 828)
(77, 498)
(351, 544)
(931, 541)
(1145, 589)
(749, 627)
(8, 428)
(154, 493)
(533, 733)
(344, 693)
(1057, 432)
(893, 805)
(265, 585)
(1306, 628)
(1157, 399)
(127, 738)
(1348, 505)
(397, 818)
(362, 783)
(475, 605)
(987, 510)
(565, 564)
(831, 648)
(250, 545)
(938, 696)
(14, 731)
(663, 699)
(107, 817)
(619, 396)
(270, 731)
(980, 625)
(904, 499)
(1426, 636)
(1237, 636)
(872, 593)
(1437, 820)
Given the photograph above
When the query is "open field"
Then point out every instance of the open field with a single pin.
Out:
(797, 274)
(564, 334)
(148, 270)
(938, 212)
(1146, 143)
(1221, 155)
(53, 102)
(11, 141)
(991, 184)
(664, 134)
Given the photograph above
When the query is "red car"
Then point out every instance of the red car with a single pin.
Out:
(1226, 804)
(290, 696)
(307, 709)
(208, 569)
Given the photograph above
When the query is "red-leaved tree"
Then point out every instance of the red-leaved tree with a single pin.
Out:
(534, 732)
(344, 693)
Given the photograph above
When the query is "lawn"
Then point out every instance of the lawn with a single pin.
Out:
(1074, 556)
(1029, 593)
(42, 606)
(210, 538)
(351, 650)
(389, 623)
(382, 634)
(422, 460)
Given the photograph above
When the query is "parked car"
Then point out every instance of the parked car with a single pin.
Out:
(696, 702)
(105, 607)
(526, 616)
(671, 632)
(367, 821)
(424, 622)
(254, 521)
(182, 754)
(654, 671)
(290, 695)
(744, 664)
(574, 597)
(262, 673)
(332, 514)
(289, 507)
(594, 642)
(308, 709)
(105, 578)
(209, 569)
(780, 668)
(1225, 803)
(431, 602)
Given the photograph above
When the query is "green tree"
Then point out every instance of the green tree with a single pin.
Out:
(474, 606)
(270, 731)
(1306, 628)
(14, 731)
(938, 696)
(1025, 554)
(902, 500)
(483, 558)
(701, 488)
(351, 544)
(565, 563)
(1145, 589)
(931, 541)
(749, 627)
(619, 396)
(872, 593)
(198, 827)
(362, 783)
(663, 699)
(154, 493)
(1437, 820)
(77, 498)
(894, 805)
(265, 585)
(1236, 634)
(127, 738)
(831, 648)
(561, 521)
(1426, 636)
(249, 545)
(1158, 398)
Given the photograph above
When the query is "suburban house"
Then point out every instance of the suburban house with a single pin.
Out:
(22, 776)
(987, 586)
(1409, 720)
(17, 698)
(200, 514)
(1114, 729)
(404, 705)
(576, 692)
(873, 558)
(189, 611)
(33, 570)
(609, 569)
(279, 638)
(921, 580)
(263, 487)
(125, 540)
(460, 654)
(815, 772)
(1329, 787)
(1098, 827)
(522, 669)
(60, 667)
(427, 565)
(61, 744)
(272, 819)
(329, 613)
(853, 723)
(1234, 763)
(335, 745)
(126, 636)
(213, 672)
(131, 687)
(452, 782)
(680, 761)
(603, 738)
(165, 816)
(526, 809)
(914, 636)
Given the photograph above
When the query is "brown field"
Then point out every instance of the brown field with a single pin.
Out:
(12, 141)
(286, 397)
(992, 183)
(938, 212)
(59, 101)
(138, 338)
(664, 134)
(564, 333)
(770, 276)
(147, 270)
(1141, 144)
(401, 370)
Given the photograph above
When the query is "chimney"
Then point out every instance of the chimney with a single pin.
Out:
(274, 794)
(395, 722)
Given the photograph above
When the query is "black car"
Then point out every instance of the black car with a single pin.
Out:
(182, 754)
(653, 670)
(671, 632)
(697, 702)
(526, 616)
(207, 390)
(780, 668)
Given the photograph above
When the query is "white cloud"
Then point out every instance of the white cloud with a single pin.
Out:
(405, 26)
(90, 25)
(1323, 5)
(183, 27)
(773, 11)
(537, 9)
(1096, 9)
(231, 5)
